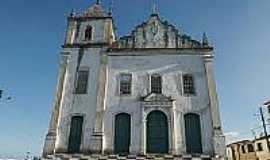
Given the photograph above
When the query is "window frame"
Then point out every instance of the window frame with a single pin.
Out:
(250, 148)
(185, 93)
(120, 84)
(259, 147)
(243, 149)
(77, 90)
(160, 88)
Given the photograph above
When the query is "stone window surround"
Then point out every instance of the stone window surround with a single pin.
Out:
(82, 69)
(150, 81)
(183, 85)
(119, 84)
(180, 86)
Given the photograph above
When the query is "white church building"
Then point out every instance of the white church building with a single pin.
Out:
(148, 95)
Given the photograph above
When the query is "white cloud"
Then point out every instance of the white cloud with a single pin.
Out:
(232, 137)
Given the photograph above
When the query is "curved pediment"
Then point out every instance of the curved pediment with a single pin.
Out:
(156, 33)
(156, 98)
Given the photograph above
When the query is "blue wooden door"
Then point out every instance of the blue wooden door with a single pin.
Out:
(122, 133)
(193, 133)
(75, 134)
(157, 133)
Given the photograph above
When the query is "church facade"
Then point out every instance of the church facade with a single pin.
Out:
(148, 93)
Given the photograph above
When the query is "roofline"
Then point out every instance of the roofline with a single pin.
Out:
(267, 103)
(203, 49)
(239, 142)
(261, 138)
(85, 18)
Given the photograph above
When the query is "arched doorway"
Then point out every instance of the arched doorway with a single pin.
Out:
(122, 133)
(193, 133)
(157, 133)
(75, 134)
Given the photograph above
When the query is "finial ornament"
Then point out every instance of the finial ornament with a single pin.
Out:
(154, 7)
(205, 40)
(111, 7)
(72, 13)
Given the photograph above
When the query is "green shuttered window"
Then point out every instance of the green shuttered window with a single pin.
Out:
(82, 82)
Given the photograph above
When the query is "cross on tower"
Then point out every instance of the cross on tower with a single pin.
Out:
(98, 2)
(154, 7)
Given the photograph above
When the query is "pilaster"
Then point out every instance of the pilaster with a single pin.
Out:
(218, 137)
(98, 134)
(172, 123)
(143, 134)
(49, 145)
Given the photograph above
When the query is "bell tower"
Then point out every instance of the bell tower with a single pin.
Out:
(93, 27)
(88, 35)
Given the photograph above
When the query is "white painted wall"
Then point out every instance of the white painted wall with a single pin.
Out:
(171, 67)
(84, 104)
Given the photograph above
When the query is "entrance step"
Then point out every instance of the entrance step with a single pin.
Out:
(129, 157)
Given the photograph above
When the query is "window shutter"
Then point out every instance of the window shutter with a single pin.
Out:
(156, 84)
(82, 82)
(188, 84)
(125, 84)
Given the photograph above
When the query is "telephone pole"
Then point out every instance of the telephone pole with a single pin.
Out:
(264, 128)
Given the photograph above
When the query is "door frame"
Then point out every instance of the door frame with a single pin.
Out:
(201, 129)
(169, 112)
(83, 129)
(113, 130)
(167, 132)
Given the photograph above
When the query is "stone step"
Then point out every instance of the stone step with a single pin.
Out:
(128, 157)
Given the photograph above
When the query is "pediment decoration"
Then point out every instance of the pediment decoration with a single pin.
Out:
(155, 33)
(95, 11)
(156, 98)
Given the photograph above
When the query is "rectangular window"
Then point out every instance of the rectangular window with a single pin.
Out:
(259, 147)
(243, 149)
(125, 84)
(82, 82)
(250, 148)
(188, 84)
(156, 84)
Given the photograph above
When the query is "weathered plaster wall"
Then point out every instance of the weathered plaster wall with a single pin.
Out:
(84, 104)
(171, 67)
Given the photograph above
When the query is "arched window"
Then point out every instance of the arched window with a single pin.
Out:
(88, 33)
(156, 84)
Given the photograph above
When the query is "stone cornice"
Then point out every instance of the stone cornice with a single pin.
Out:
(205, 52)
(86, 45)
(203, 49)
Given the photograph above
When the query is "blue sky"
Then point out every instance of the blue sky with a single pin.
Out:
(32, 32)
